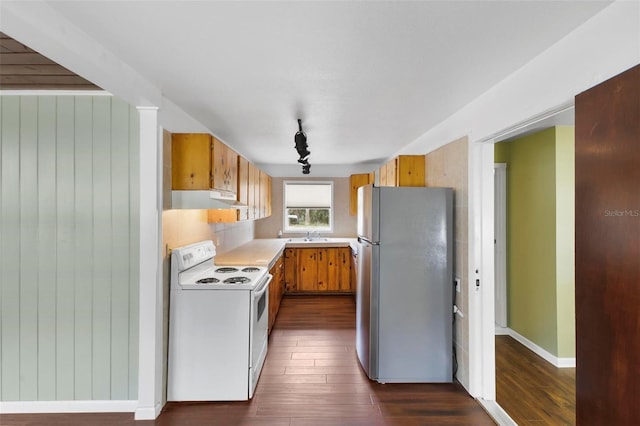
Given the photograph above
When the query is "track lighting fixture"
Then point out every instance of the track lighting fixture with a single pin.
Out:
(302, 148)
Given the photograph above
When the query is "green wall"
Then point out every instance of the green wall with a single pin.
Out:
(69, 244)
(540, 219)
(565, 240)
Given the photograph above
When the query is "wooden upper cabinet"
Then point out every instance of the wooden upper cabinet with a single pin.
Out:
(243, 187)
(269, 191)
(199, 162)
(263, 194)
(191, 161)
(392, 172)
(410, 170)
(355, 182)
(382, 176)
(225, 167)
(404, 170)
(254, 192)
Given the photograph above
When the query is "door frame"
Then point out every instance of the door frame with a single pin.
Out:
(482, 366)
(500, 242)
(482, 381)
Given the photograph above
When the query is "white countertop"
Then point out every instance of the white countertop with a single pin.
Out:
(265, 251)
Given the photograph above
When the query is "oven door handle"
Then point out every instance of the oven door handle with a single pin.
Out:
(263, 287)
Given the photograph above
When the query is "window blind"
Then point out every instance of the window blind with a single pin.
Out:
(307, 195)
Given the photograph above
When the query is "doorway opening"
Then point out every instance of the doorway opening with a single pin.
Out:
(527, 297)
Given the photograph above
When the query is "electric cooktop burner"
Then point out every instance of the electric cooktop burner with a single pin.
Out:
(237, 280)
(207, 280)
(250, 269)
(226, 270)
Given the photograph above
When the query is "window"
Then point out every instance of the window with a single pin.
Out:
(308, 206)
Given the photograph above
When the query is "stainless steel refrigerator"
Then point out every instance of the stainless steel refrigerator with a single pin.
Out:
(404, 298)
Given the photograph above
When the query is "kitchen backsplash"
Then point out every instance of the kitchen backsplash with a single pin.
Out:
(182, 227)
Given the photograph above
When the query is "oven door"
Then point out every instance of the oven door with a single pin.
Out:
(258, 331)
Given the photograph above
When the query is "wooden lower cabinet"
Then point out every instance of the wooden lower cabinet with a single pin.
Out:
(354, 273)
(276, 290)
(312, 270)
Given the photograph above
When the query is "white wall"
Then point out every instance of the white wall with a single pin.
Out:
(69, 248)
(603, 47)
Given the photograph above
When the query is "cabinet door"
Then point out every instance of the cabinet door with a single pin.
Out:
(243, 187)
(251, 190)
(263, 194)
(410, 170)
(323, 269)
(191, 161)
(344, 268)
(279, 277)
(256, 192)
(269, 190)
(307, 269)
(392, 173)
(273, 296)
(356, 181)
(290, 270)
(219, 165)
(225, 167)
(354, 272)
(231, 174)
(383, 175)
(335, 272)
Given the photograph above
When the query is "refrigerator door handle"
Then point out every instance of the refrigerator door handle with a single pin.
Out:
(365, 241)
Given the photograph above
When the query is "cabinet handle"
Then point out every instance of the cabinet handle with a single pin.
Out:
(320, 256)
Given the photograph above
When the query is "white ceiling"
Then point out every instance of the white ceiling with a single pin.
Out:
(366, 78)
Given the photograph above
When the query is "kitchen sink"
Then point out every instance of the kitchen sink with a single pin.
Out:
(307, 240)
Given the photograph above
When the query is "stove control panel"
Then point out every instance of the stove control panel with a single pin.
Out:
(194, 254)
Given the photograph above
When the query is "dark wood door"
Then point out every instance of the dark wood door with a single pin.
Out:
(608, 252)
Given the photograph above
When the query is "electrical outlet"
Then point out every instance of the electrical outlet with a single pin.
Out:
(457, 281)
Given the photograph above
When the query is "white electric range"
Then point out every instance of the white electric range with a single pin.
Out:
(218, 319)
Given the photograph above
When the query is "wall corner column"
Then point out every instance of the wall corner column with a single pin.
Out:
(150, 351)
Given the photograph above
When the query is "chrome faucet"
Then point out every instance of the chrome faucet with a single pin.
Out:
(310, 235)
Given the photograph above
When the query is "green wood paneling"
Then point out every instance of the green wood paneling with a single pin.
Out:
(102, 268)
(9, 255)
(83, 240)
(68, 248)
(47, 248)
(28, 244)
(65, 221)
(120, 250)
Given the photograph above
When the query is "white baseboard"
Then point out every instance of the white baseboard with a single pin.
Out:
(501, 331)
(547, 356)
(148, 413)
(22, 407)
(497, 413)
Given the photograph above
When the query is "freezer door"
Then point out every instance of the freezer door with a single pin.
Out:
(366, 308)
(368, 206)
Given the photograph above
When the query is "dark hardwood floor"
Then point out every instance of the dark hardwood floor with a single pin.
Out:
(311, 377)
(530, 390)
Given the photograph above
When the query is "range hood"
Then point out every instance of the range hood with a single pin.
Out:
(211, 199)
